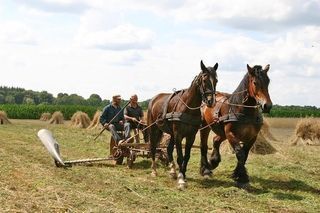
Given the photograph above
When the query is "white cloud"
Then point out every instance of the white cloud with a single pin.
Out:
(56, 6)
(16, 33)
(254, 15)
(122, 37)
(100, 29)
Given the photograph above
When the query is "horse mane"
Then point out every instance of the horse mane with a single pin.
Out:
(237, 96)
(195, 80)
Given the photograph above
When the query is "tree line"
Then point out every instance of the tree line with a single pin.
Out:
(16, 95)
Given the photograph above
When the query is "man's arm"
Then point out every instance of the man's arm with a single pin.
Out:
(121, 116)
(126, 116)
(104, 116)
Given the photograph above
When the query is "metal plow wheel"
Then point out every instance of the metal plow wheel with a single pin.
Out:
(52, 146)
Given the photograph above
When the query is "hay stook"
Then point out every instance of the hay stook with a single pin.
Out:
(80, 120)
(95, 123)
(4, 118)
(46, 116)
(57, 118)
(307, 132)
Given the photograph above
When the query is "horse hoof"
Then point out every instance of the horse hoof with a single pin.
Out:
(206, 177)
(181, 182)
(182, 186)
(207, 174)
(244, 186)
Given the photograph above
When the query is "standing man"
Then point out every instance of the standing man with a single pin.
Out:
(117, 124)
(134, 117)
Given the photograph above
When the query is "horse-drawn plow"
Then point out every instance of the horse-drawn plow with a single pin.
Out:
(117, 152)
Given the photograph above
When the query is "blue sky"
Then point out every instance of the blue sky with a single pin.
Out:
(147, 47)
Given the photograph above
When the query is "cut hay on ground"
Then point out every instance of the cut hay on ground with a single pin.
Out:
(307, 132)
(80, 120)
(4, 118)
(57, 118)
(45, 116)
(95, 123)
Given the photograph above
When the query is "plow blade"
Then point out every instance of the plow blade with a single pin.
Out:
(51, 145)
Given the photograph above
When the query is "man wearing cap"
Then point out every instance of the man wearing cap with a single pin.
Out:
(133, 114)
(117, 124)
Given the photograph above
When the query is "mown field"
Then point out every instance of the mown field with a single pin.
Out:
(288, 181)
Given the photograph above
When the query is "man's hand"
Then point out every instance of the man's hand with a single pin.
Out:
(135, 120)
(106, 126)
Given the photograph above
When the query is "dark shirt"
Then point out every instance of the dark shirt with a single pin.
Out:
(109, 112)
(135, 112)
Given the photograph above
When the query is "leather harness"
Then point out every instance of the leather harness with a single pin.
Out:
(178, 116)
(232, 116)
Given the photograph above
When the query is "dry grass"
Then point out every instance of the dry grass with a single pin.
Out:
(282, 122)
(307, 132)
(80, 120)
(45, 116)
(95, 123)
(57, 118)
(4, 118)
(287, 181)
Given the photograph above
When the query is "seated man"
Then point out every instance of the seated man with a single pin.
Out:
(133, 114)
(117, 124)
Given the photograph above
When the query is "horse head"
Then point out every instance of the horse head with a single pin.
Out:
(258, 86)
(207, 82)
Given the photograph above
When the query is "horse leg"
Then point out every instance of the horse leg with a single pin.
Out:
(240, 173)
(181, 175)
(155, 136)
(204, 166)
(189, 144)
(242, 176)
(215, 158)
(172, 165)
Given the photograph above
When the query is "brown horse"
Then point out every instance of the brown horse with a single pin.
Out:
(236, 117)
(178, 114)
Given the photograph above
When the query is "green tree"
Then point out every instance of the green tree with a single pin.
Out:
(94, 100)
(28, 100)
(9, 99)
(105, 102)
(45, 97)
(2, 99)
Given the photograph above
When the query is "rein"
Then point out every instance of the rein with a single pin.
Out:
(240, 105)
(230, 104)
(191, 108)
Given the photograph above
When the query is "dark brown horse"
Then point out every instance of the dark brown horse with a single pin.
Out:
(178, 114)
(236, 117)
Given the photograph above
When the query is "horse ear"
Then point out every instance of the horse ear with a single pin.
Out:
(216, 66)
(203, 67)
(267, 67)
(250, 70)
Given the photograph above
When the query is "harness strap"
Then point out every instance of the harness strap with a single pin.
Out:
(166, 104)
(184, 118)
